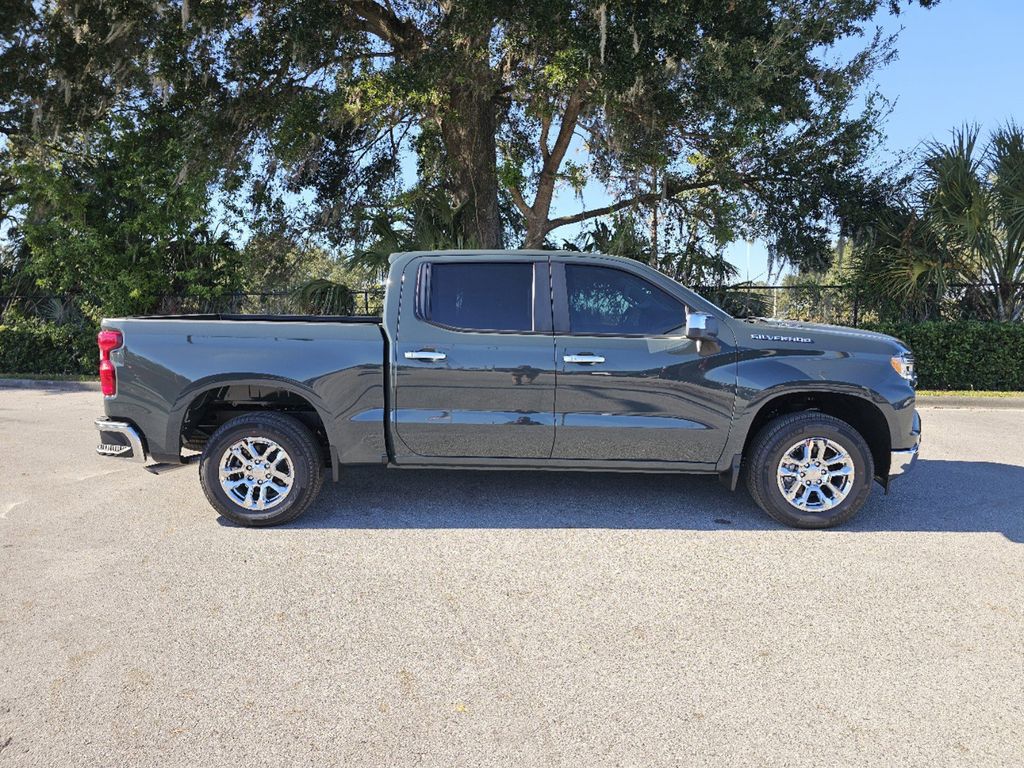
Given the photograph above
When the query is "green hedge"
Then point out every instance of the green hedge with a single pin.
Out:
(950, 355)
(964, 354)
(37, 347)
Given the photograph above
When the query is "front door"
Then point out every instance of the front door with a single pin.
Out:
(474, 363)
(631, 386)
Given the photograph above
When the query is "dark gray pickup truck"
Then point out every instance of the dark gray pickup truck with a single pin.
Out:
(518, 360)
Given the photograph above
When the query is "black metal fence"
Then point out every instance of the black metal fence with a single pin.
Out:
(364, 302)
(835, 304)
(848, 305)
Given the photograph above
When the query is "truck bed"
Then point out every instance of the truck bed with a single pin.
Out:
(169, 365)
(267, 318)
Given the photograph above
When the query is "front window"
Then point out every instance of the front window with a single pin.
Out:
(607, 301)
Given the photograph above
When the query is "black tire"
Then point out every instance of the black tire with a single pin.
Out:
(303, 455)
(766, 454)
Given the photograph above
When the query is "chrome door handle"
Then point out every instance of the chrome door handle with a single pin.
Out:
(426, 354)
(583, 359)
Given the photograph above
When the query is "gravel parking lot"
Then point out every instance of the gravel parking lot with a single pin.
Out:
(498, 618)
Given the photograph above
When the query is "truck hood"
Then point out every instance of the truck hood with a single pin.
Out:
(823, 334)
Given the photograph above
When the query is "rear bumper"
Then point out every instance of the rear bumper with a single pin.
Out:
(120, 439)
(903, 459)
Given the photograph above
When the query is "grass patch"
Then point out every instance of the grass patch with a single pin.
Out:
(966, 393)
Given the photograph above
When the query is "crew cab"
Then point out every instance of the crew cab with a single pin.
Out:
(516, 360)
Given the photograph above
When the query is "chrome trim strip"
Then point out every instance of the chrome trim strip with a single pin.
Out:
(120, 427)
(902, 461)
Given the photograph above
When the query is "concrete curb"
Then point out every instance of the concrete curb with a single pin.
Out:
(68, 386)
(971, 402)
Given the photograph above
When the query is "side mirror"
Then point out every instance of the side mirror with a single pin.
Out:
(701, 326)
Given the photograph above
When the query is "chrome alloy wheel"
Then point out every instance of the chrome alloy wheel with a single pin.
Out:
(256, 473)
(816, 474)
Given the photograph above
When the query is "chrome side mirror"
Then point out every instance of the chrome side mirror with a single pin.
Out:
(701, 326)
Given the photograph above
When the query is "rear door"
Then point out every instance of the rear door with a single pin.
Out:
(475, 359)
(631, 386)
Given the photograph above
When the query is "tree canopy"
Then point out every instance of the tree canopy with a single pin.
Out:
(707, 120)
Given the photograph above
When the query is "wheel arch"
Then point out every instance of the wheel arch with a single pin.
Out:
(203, 407)
(856, 409)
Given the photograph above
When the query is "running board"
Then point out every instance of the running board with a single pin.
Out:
(165, 467)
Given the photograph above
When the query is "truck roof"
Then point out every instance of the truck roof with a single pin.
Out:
(495, 252)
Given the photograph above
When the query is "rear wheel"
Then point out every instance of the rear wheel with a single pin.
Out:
(261, 469)
(810, 470)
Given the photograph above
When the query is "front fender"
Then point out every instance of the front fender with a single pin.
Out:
(764, 376)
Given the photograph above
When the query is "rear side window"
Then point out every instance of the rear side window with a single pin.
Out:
(481, 297)
(612, 302)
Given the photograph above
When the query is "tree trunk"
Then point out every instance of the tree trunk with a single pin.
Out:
(537, 216)
(536, 233)
(468, 130)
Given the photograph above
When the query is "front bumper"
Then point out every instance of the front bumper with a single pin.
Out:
(902, 460)
(121, 439)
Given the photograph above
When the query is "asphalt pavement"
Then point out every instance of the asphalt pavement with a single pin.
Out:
(449, 618)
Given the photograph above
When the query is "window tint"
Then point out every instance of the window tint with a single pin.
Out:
(610, 301)
(483, 297)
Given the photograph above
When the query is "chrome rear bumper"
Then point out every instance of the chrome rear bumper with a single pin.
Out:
(118, 438)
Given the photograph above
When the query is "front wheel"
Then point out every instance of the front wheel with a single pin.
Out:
(261, 469)
(810, 470)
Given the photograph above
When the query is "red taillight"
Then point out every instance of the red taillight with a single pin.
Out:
(108, 340)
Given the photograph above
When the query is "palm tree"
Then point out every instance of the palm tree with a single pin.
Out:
(426, 221)
(965, 225)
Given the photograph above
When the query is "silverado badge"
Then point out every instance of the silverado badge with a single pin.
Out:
(770, 337)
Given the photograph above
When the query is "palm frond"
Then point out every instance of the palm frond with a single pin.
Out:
(1006, 169)
(324, 297)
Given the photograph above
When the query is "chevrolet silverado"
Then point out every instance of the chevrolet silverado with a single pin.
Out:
(516, 360)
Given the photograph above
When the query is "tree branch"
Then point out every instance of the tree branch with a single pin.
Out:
(593, 213)
(673, 189)
(553, 158)
(565, 131)
(545, 130)
(375, 19)
(644, 199)
(520, 202)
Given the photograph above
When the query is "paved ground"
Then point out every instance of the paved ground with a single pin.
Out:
(449, 618)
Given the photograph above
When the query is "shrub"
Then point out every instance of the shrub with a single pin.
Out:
(964, 354)
(949, 355)
(37, 347)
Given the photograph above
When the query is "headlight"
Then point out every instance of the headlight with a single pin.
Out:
(904, 366)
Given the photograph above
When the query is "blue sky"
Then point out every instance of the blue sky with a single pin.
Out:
(960, 62)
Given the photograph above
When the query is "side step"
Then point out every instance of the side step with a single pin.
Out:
(162, 468)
